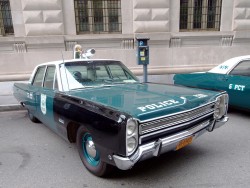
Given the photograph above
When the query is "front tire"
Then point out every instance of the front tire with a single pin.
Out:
(89, 155)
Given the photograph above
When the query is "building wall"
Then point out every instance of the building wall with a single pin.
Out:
(45, 31)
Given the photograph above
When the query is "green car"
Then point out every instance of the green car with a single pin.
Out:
(113, 118)
(232, 76)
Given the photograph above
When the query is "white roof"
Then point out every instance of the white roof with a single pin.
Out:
(72, 60)
(228, 65)
(64, 61)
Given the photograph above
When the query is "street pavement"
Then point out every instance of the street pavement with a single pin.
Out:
(7, 100)
(32, 156)
(6, 96)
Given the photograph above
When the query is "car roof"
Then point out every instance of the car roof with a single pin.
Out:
(72, 60)
(228, 65)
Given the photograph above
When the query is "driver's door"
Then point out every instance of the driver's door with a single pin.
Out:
(238, 86)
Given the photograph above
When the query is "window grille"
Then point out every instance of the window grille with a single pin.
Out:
(6, 25)
(98, 16)
(196, 15)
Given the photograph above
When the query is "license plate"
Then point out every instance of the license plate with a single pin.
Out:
(184, 142)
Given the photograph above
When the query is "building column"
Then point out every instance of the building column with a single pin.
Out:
(17, 18)
(174, 15)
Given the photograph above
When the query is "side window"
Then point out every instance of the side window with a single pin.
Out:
(49, 77)
(38, 80)
(242, 69)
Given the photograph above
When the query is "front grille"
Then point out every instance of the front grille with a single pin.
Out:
(177, 120)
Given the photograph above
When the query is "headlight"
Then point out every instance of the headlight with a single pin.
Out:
(131, 144)
(131, 136)
(131, 127)
(221, 105)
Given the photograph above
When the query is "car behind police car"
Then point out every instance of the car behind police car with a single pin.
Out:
(232, 76)
(114, 119)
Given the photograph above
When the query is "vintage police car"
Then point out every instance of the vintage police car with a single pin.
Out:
(114, 119)
(232, 76)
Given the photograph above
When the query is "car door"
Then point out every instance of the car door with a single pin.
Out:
(238, 86)
(219, 81)
(34, 91)
(46, 97)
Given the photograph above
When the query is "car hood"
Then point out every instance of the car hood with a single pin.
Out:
(147, 101)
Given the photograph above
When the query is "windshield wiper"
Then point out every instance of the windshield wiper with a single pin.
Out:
(120, 82)
(97, 86)
(108, 81)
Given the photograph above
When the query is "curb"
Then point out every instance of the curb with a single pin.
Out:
(11, 77)
(11, 107)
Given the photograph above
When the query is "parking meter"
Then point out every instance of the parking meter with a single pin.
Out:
(143, 55)
(143, 51)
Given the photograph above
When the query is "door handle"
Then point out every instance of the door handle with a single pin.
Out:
(224, 79)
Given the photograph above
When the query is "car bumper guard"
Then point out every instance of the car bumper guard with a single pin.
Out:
(166, 144)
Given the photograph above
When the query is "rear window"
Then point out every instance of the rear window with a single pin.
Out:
(49, 77)
(38, 79)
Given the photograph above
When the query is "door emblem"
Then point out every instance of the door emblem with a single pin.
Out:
(237, 87)
(43, 103)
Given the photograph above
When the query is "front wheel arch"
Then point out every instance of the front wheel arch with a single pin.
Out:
(72, 131)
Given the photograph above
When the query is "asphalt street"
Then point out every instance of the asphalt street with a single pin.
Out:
(31, 156)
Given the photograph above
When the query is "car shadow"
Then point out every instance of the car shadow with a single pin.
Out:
(167, 163)
(233, 110)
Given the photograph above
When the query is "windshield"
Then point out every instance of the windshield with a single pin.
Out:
(97, 73)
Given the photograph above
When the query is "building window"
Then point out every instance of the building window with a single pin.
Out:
(6, 25)
(98, 16)
(197, 15)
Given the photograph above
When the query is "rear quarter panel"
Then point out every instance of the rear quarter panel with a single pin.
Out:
(20, 91)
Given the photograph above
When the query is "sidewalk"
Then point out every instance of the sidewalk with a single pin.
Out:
(7, 100)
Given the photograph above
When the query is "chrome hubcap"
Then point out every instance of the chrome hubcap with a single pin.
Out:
(90, 148)
(90, 153)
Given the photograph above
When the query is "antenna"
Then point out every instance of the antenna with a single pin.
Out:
(62, 56)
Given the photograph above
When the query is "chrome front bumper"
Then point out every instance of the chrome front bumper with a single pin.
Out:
(166, 144)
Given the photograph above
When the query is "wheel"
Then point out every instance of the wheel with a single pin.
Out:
(89, 155)
(33, 118)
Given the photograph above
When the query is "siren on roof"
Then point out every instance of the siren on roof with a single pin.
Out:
(80, 54)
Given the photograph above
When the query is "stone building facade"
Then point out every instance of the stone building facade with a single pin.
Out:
(47, 30)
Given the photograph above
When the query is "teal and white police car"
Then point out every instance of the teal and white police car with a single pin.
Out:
(113, 118)
(232, 76)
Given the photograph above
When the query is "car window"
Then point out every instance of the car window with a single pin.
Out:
(102, 73)
(118, 72)
(55, 82)
(38, 79)
(97, 73)
(49, 77)
(79, 72)
(243, 69)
